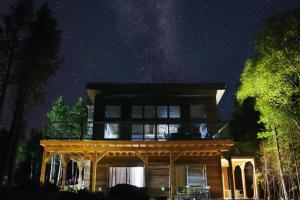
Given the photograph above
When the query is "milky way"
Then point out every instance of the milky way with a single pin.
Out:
(154, 41)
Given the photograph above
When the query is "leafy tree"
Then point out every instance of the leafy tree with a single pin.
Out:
(38, 60)
(245, 121)
(79, 114)
(65, 122)
(272, 77)
(59, 113)
(14, 28)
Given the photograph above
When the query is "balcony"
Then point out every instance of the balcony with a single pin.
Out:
(135, 131)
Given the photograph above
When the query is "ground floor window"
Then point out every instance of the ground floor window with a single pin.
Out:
(127, 175)
(196, 175)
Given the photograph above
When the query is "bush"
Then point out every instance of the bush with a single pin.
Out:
(128, 192)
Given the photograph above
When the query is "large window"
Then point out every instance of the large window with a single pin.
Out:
(201, 130)
(196, 175)
(162, 131)
(149, 131)
(174, 111)
(174, 128)
(112, 111)
(149, 111)
(162, 111)
(137, 132)
(198, 111)
(137, 111)
(111, 131)
(127, 175)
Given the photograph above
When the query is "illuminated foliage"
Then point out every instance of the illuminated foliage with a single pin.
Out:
(65, 122)
(272, 77)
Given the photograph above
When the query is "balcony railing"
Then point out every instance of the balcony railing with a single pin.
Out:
(183, 131)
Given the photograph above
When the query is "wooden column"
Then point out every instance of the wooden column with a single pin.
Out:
(43, 168)
(63, 178)
(95, 159)
(94, 175)
(146, 168)
(244, 180)
(172, 176)
(231, 176)
(80, 164)
(255, 182)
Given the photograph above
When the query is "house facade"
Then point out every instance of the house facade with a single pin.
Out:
(165, 137)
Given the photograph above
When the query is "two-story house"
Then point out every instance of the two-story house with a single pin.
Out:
(165, 137)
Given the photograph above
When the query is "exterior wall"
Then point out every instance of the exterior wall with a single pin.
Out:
(159, 172)
(102, 177)
(127, 102)
(213, 172)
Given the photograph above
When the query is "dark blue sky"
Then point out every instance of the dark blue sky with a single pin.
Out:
(154, 41)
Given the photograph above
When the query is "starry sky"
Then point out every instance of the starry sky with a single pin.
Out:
(185, 41)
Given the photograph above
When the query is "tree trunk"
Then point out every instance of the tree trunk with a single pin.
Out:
(6, 77)
(15, 131)
(266, 176)
(295, 161)
(280, 165)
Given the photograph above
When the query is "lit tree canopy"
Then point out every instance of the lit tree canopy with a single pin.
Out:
(66, 122)
(272, 75)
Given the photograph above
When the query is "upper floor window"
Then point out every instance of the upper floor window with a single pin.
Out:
(149, 111)
(137, 111)
(111, 131)
(112, 111)
(198, 111)
(137, 132)
(149, 131)
(162, 111)
(201, 130)
(174, 111)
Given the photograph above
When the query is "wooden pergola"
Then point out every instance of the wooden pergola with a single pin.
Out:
(96, 150)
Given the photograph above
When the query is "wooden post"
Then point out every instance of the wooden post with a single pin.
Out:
(231, 176)
(172, 176)
(146, 168)
(256, 196)
(244, 180)
(80, 175)
(94, 173)
(63, 178)
(43, 168)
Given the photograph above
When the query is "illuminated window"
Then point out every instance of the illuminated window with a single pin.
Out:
(201, 130)
(112, 111)
(149, 131)
(149, 111)
(137, 132)
(162, 131)
(198, 111)
(137, 111)
(162, 111)
(126, 175)
(111, 131)
(196, 175)
(174, 111)
(173, 128)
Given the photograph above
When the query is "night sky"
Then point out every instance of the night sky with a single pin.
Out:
(186, 41)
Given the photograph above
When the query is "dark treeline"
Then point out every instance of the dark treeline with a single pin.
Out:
(29, 44)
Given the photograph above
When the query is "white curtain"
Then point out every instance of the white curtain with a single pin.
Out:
(129, 175)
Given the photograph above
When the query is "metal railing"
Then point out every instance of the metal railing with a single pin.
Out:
(185, 131)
